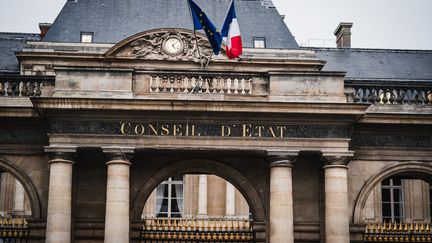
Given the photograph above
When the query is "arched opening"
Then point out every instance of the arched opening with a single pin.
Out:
(396, 201)
(201, 206)
(171, 196)
(18, 202)
(196, 196)
(10, 170)
(406, 184)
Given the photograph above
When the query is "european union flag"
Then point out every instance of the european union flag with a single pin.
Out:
(201, 21)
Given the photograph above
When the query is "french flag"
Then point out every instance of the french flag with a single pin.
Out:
(231, 34)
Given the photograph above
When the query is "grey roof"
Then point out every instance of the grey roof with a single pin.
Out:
(9, 44)
(378, 63)
(113, 20)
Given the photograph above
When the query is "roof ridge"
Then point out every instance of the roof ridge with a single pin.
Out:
(383, 50)
(18, 36)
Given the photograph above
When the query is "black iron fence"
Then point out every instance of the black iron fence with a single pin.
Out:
(13, 230)
(197, 230)
(398, 232)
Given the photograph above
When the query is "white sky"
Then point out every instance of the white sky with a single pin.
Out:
(396, 24)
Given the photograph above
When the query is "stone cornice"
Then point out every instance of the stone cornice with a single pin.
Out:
(356, 110)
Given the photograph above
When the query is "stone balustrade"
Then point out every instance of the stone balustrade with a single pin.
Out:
(25, 86)
(389, 93)
(206, 83)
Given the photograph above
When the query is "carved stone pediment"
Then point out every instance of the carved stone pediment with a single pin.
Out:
(154, 45)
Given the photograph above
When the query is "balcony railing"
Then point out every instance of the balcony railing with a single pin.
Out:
(197, 230)
(389, 93)
(398, 232)
(25, 86)
(13, 229)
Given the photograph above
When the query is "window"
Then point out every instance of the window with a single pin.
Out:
(86, 37)
(169, 198)
(392, 200)
(259, 42)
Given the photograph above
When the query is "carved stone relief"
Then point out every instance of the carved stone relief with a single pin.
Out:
(150, 46)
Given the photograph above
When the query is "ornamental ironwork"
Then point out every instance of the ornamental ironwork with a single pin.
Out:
(197, 230)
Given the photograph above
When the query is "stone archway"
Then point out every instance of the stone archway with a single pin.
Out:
(416, 169)
(25, 181)
(254, 200)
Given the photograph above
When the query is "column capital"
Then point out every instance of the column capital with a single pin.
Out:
(336, 160)
(61, 157)
(282, 159)
(117, 156)
(60, 154)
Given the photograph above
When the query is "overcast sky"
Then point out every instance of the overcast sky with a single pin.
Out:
(396, 24)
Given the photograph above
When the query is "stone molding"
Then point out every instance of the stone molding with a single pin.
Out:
(61, 157)
(117, 156)
(335, 160)
(282, 160)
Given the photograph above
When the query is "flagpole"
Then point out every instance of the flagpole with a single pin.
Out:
(226, 15)
(196, 39)
(208, 62)
(222, 40)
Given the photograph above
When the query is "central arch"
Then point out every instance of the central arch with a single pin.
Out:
(203, 166)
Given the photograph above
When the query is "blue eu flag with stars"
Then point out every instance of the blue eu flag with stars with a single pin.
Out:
(201, 21)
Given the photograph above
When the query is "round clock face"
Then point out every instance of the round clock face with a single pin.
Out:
(172, 46)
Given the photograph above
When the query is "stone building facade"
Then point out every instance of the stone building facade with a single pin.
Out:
(302, 144)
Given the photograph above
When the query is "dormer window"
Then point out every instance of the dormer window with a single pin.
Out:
(259, 42)
(87, 37)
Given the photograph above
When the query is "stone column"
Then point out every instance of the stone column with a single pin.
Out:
(19, 198)
(281, 199)
(202, 196)
(229, 200)
(336, 199)
(117, 199)
(59, 215)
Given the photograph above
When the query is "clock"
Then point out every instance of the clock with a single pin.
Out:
(172, 45)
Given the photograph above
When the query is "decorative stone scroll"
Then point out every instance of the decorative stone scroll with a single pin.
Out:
(150, 45)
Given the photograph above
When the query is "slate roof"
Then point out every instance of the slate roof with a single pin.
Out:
(378, 63)
(9, 44)
(113, 20)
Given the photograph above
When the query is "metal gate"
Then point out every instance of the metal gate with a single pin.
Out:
(156, 230)
(13, 230)
(398, 232)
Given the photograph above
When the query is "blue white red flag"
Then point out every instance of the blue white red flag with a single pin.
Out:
(231, 34)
